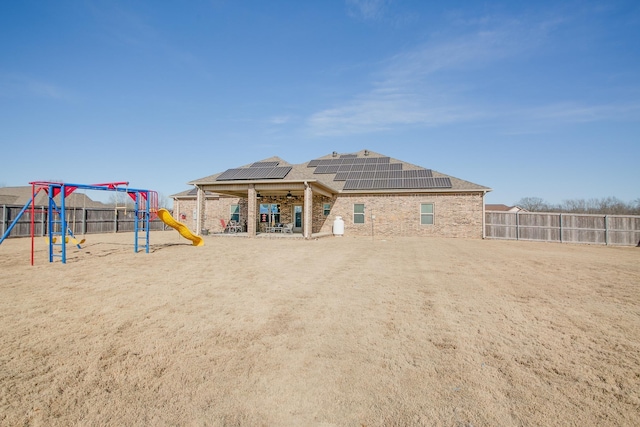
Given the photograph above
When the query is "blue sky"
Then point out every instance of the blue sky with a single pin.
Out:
(533, 99)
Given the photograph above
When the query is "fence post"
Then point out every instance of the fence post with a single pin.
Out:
(4, 219)
(115, 220)
(517, 226)
(606, 230)
(561, 228)
(84, 221)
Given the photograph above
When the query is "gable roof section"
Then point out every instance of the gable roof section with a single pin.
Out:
(361, 172)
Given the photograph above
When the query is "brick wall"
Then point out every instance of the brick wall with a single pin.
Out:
(455, 215)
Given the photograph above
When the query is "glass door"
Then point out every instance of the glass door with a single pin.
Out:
(297, 218)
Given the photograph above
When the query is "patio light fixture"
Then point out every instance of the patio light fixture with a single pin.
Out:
(289, 195)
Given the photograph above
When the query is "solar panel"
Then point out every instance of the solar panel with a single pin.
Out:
(321, 169)
(355, 175)
(396, 183)
(228, 174)
(278, 172)
(348, 156)
(357, 167)
(369, 167)
(359, 161)
(381, 175)
(265, 164)
(395, 166)
(313, 163)
(418, 173)
(332, 168)
(368, 175)
(344, 168)
(341, 176)
(254, 173)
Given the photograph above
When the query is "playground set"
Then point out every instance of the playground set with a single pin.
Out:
(58, 231)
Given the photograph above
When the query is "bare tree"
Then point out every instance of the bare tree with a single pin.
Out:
(533, 204)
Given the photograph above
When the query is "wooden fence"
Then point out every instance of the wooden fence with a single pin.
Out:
(80, 221)
(621, 230)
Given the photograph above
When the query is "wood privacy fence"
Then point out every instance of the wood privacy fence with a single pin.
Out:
(621, 230)
(80, 221)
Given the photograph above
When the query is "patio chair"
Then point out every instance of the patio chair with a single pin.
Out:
(287, 228)
(234, 226)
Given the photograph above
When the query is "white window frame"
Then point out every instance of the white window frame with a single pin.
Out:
(359, 213)
(326, 209)
(431, 214)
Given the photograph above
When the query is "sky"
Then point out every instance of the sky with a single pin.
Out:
(532, 99)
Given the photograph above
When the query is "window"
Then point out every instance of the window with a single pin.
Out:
(326, 209)
(270, 213)
(426, 213)
(234, 213)
(358, 213)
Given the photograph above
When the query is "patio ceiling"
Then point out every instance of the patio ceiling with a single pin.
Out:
(267, 188)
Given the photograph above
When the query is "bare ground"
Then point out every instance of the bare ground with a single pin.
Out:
(330, 332)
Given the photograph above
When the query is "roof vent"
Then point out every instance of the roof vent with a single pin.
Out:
(335, 154)
(366, 152)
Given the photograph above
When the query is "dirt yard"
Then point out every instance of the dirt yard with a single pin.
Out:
(329, 332)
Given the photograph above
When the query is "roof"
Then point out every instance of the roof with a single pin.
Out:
(193, 192)
(21, 195)
(353, 173)
(503, 208)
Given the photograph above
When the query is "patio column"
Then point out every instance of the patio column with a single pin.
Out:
(251, 211)
(308, 211)
(199, 207)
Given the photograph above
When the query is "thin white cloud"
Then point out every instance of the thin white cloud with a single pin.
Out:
(13, 85)
(571, 112)
(280, 120)
(405, 91)
(413, 88)
(366, 9)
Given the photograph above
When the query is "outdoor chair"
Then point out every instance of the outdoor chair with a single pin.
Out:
(234, 227)
(287, 228)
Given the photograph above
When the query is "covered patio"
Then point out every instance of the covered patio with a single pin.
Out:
(269, 203)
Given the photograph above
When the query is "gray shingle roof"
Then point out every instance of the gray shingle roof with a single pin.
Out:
(302, 172)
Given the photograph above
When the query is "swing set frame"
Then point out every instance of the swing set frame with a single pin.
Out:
(145, 205)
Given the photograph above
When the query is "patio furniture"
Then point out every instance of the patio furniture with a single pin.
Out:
(287, 228)
(234, 227)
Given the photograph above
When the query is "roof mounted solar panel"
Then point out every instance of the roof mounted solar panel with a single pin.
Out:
(278, 172)
(313, 163)
(332, 168)
(265, 164)
(344, 168)
(341, 176)
(395, 166)
(348, 156)
(254, 173)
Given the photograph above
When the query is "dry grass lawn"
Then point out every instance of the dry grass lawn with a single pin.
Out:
(330, 332)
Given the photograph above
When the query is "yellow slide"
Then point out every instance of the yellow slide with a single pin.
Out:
(184, 231)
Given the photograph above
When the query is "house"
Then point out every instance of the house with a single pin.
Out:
(370, 192)
(19, 196)
(503, 208)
